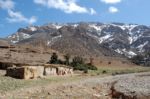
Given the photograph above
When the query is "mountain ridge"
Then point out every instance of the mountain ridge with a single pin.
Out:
(124, 39)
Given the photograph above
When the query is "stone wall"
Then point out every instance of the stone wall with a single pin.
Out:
(40, 70)
(64, 71)
(30, 72)
(22, 72)
(55, 69)
(50, 71)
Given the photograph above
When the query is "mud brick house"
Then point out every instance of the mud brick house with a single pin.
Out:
(25, 72)
(55, 69)
(31, 72)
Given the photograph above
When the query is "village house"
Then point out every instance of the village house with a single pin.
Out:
(31, 72)
(57, 69)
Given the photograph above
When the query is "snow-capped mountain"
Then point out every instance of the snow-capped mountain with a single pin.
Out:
(125, 39)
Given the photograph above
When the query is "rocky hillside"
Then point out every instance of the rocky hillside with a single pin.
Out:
(93, 38)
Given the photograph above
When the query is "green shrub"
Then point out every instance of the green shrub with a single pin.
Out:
(91, 67)
(104, 72)
(78, 64)
(77, 60)
(137, 59)
(81, 67)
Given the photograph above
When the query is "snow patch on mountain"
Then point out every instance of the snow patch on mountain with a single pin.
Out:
(13, 41)
(127, 53)
(15, 38)
(75, 25)
(131, 53)
(125, 26)
(53, 39)
(136, 37)
(97, 28)
(12, 36)
(130, 40)
(25, 36)
(33, 28)
(57, 26)
(140, 47)
(130, 27)
(104, 38)
(119, 51)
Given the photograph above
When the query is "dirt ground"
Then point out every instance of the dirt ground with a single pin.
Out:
(96, 87)
(25, 55)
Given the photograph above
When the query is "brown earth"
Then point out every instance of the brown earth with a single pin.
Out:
(25, 55)
(37, 55)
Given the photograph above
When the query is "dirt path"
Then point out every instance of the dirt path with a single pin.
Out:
(128, 86)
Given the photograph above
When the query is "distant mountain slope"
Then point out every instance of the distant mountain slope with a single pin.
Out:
(3, 42)
(93, 38)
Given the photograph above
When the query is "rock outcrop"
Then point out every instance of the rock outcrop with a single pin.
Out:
(133, 87)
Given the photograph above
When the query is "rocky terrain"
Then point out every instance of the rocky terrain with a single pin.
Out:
(133, 87)
(128, 86)
(93, 38)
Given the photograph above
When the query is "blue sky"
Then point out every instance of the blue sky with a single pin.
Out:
(15, 14)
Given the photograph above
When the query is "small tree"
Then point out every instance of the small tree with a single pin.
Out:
(67, 58)
(91, 61)
(54, 59)
(90, 65)
(77, 60)
(137, 59)
(147, 58)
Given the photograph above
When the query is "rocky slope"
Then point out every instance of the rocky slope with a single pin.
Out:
(93, 38)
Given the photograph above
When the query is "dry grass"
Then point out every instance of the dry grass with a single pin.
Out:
(113, 70)
(8, 84)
